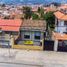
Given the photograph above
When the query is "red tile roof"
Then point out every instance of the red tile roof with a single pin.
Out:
(59, 36)
(10, 24)
(60, 15)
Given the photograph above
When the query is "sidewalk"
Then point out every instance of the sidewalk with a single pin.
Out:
(38, 58)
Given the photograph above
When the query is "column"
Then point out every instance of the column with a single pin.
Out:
(11, 41)
(55, 45)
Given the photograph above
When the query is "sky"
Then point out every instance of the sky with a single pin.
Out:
(32, 1)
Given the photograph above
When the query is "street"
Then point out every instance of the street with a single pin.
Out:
(30, 58)
(15, 65)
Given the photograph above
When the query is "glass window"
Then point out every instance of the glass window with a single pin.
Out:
(37, 35)
(27, 36)
(65, 23)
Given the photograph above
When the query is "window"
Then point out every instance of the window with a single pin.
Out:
(65, 23)
(37, 35)
(27, 36)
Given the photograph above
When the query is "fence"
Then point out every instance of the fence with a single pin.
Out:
(48, 45)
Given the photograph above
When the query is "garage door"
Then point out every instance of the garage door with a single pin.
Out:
(62, 45)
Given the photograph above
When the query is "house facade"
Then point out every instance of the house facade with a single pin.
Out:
(32, 33)
(60, 33)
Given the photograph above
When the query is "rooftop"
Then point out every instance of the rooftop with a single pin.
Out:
(61, 15)
(59, 36)
(10, 24)
(34, 25)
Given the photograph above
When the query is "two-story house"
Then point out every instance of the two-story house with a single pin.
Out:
(60, 33)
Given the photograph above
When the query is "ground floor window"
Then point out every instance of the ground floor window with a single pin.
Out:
(27, 36)
(37, 35)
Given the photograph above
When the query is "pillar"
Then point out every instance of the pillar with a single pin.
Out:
(11, 41)
(55, 45)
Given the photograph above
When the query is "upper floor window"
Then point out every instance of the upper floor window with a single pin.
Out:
(65, 23)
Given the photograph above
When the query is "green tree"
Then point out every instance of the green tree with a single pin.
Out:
(41, 12)
(50, 18)
(3, 5)
(35, 16)
(27, 12)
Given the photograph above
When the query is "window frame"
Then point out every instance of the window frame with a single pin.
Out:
(35, 35)
(26, 35)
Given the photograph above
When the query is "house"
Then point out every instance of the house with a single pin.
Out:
(60, 33)
(9, 29)
(31, 34)
(62, 7)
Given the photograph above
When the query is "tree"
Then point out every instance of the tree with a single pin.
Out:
(27, 12)
(3, 5)
(35, 16)
(50, 18)
(41, 12)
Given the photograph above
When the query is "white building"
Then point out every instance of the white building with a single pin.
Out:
(60, 33)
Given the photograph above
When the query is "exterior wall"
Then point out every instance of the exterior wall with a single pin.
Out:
(4, 43)
(60, 27)
(31, 33)
(55, 45)
(6, 39)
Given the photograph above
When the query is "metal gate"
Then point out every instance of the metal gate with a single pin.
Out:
(48, 45)
(62, 45)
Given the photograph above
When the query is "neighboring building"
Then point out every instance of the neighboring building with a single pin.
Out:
(62, 7)
(9, 29)
(32, 33)
(60, 33)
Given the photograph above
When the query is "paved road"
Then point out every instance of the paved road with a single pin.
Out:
(23, 65)
(26, 58)
(15, 65)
